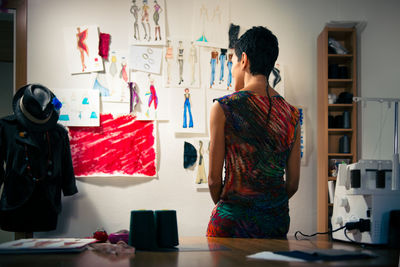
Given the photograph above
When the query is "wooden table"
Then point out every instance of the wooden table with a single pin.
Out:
(234, 256)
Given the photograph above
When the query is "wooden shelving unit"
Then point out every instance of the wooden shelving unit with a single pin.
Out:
(328, 138)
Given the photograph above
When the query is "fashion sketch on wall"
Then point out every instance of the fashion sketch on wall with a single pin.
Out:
(80, 107)
(145, 58)
(153, 99)
(181, 66)
(147, 22)
(81, 49)
(199, 169)
(211, 22)
(217, 65)
(113, 82)
(188, 110)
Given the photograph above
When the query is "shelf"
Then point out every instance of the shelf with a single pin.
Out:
(340, 55)
(339, 82)
(340, 107)
(339, 131)
(329, 139)
(340, 59)
(340, 155)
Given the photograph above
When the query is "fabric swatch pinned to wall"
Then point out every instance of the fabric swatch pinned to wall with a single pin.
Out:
(189, 155)
(121, 146)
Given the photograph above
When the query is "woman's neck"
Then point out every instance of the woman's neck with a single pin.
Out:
(255, 83)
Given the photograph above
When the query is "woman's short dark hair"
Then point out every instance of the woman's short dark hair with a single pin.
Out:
(261, 48)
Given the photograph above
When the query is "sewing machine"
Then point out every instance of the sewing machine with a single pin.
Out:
(366, 192)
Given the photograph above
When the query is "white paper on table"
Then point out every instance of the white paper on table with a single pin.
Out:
(269, 255)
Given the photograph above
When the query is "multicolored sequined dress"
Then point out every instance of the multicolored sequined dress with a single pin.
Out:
(254, 202)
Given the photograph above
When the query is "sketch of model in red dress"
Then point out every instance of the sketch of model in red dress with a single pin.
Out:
(156, 17)
(82, 46)
(124, 73)
(152, 96)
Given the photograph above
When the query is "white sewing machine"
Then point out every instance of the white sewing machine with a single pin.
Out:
(366, 192)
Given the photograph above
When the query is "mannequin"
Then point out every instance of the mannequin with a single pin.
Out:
(35, 153)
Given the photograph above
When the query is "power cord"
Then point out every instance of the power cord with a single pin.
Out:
(317, 233)
(362, 225)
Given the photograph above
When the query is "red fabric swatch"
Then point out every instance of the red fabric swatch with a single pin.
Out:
(120, 146)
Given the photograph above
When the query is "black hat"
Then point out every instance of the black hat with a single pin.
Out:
(34, 107)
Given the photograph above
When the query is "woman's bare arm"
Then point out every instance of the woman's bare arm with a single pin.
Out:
(217, 151)
(293, 167)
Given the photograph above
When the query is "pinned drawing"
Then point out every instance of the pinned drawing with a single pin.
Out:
(145, 20)
(222, 60)
(229, 66)
(182, 66)
(134, 97)
(156, 18)
(135, 12)
(201, 171)
(199, 156)
(203, 18)
(153, 99)
(113, 83)
(191, 106)
(145, 58)
(193, 62)
(151, 17)
(218, 66)
(187, 109)
(213, 63)
(180, 61)
(152, 96)
(81, 48)
(169, 56)
(211, 23)
(80, 107)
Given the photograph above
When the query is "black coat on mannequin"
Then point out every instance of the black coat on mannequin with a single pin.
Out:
(37, 167)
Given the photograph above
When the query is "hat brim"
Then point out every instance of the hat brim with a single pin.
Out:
(29, 125)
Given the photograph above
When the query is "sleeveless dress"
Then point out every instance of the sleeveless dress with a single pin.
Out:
(254, 202)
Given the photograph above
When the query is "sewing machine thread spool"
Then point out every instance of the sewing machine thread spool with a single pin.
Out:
(344, 144)
(346, 120)
(167, 228)
(142, 234)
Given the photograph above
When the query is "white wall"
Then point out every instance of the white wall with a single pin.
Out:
(107, 202)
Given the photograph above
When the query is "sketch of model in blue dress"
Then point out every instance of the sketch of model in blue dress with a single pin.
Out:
(186, 109)
(98, 85)
(229, 64)
(222, 59)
